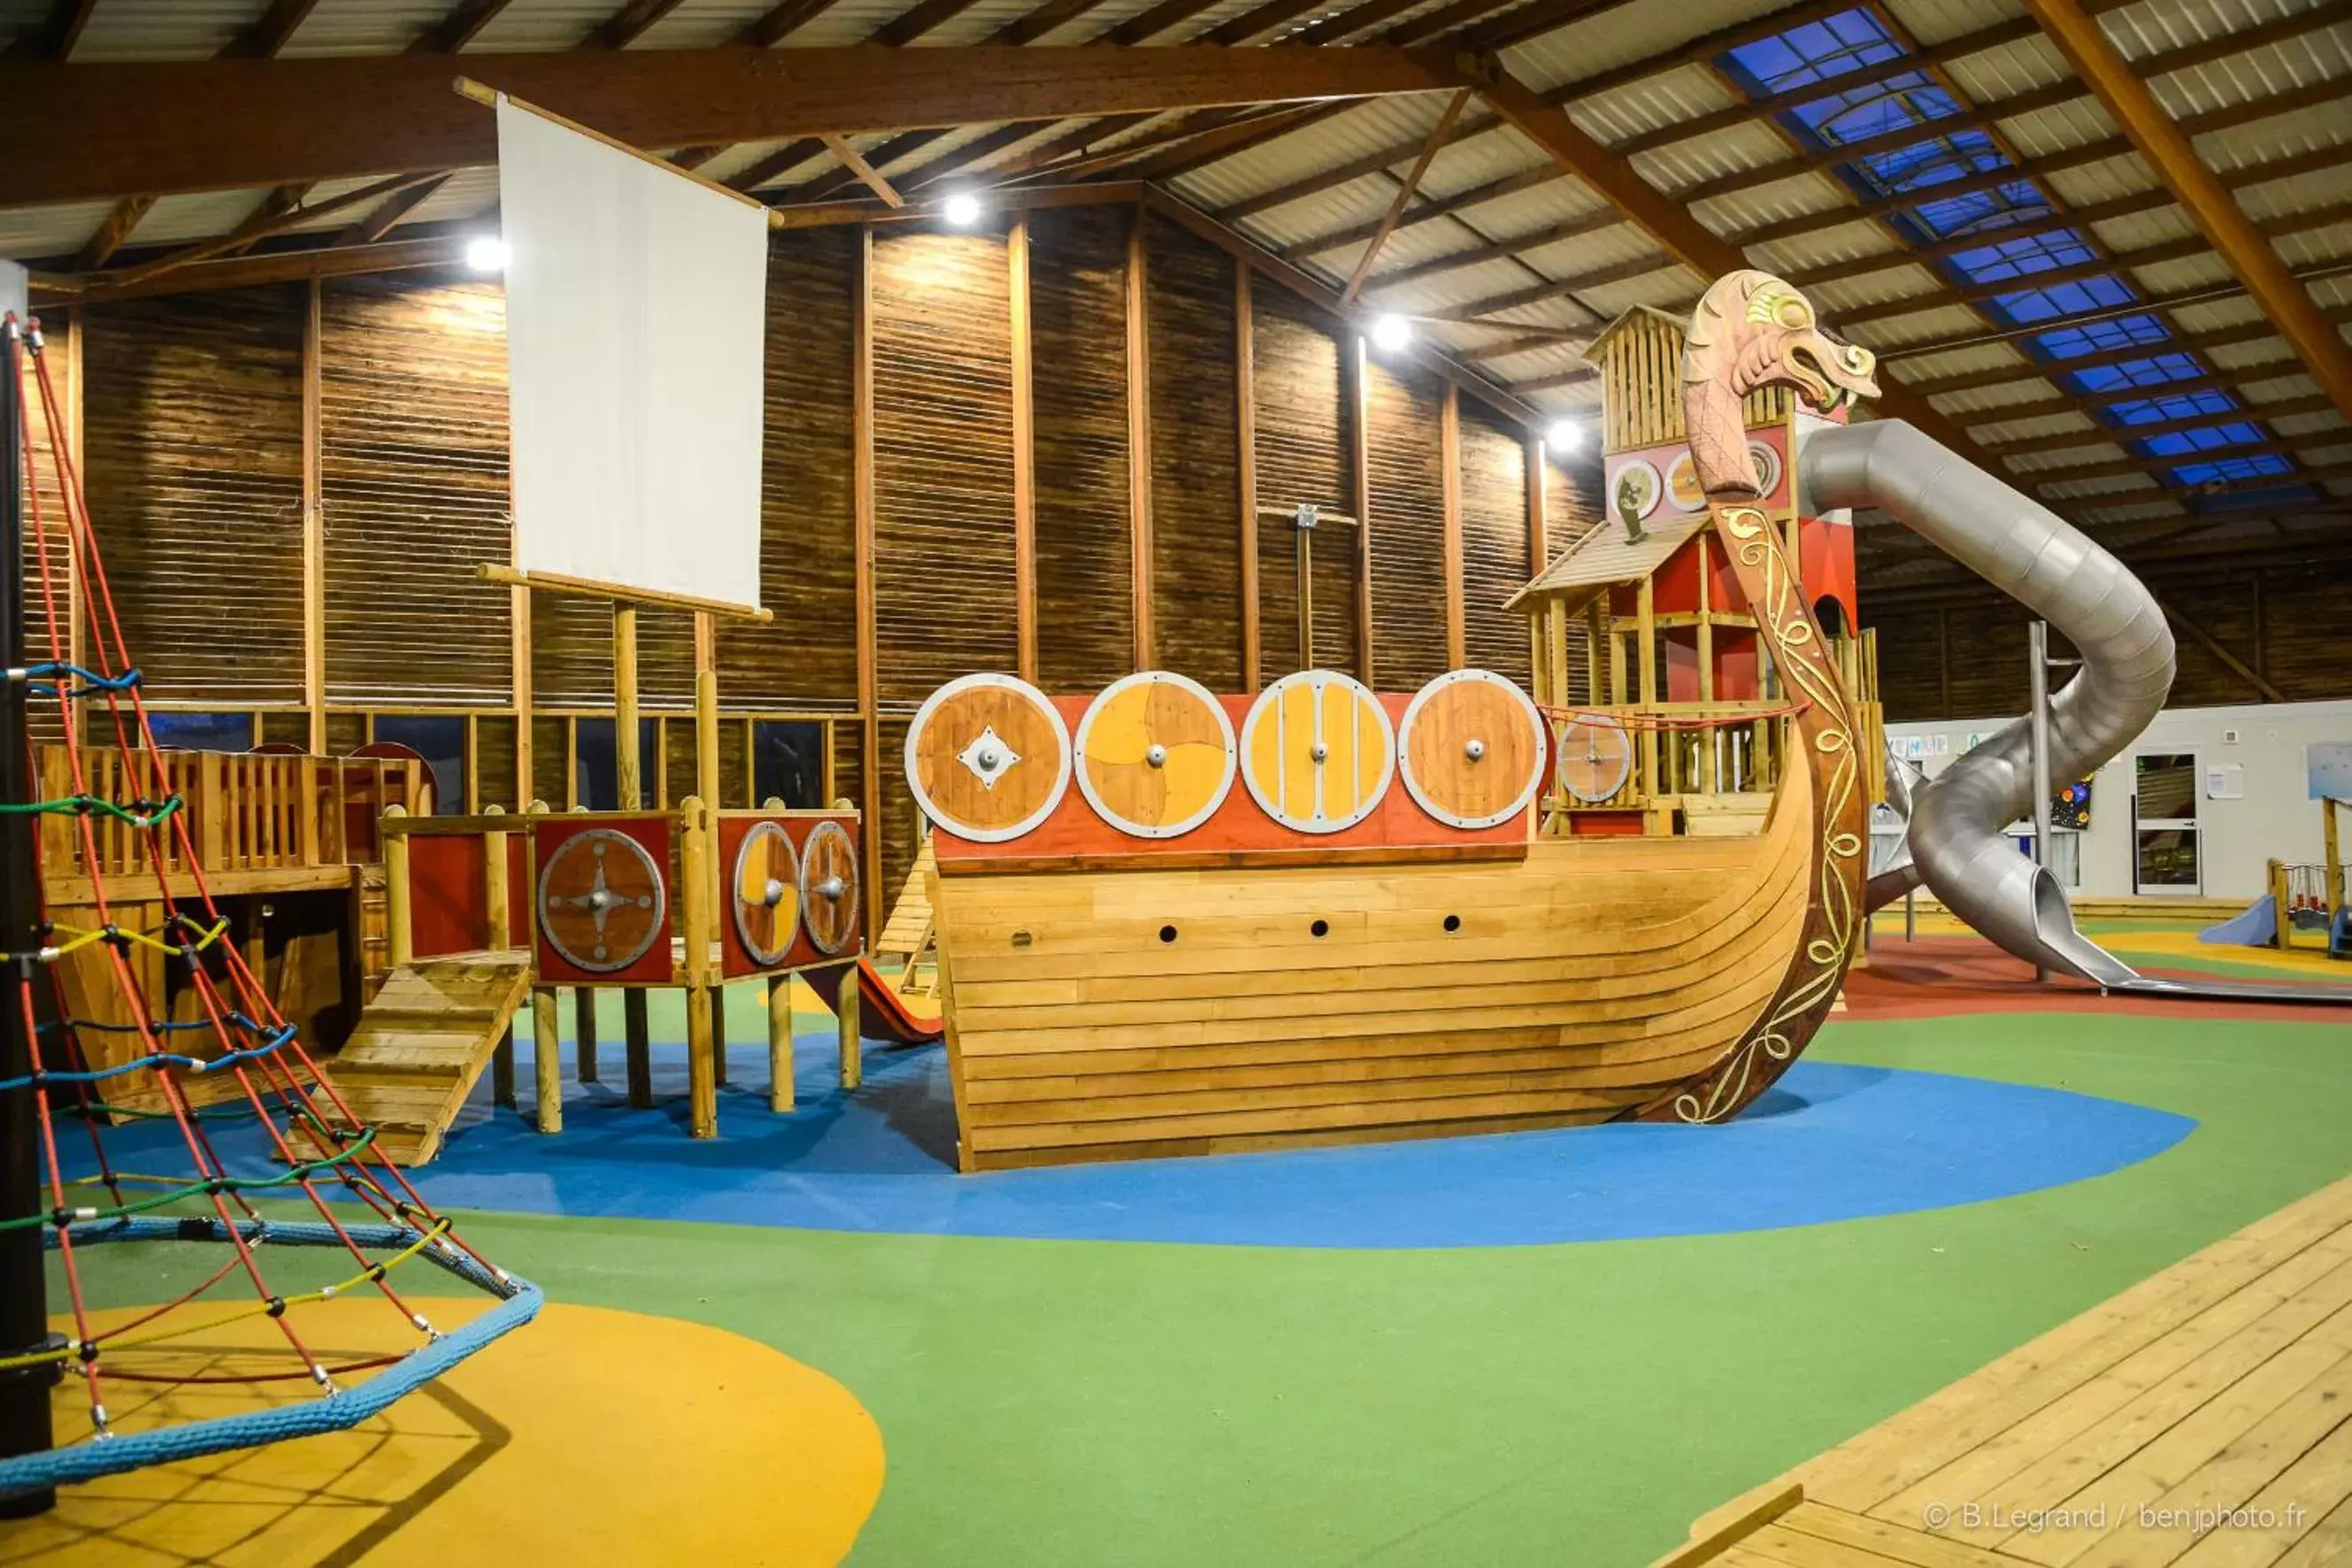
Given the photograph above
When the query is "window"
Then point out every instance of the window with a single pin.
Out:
(788, 762)
(596, 770)
(440, 739)
(200, 732)
(1980, 212)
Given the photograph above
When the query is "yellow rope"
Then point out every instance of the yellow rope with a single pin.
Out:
(81, 939)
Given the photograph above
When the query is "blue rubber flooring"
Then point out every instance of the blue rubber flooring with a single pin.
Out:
(1831, 1142)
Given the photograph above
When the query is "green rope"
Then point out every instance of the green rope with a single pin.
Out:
(82, 805)
(197, 1189)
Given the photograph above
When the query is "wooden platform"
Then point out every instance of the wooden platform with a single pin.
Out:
(2217, 1393)
(421, 1044)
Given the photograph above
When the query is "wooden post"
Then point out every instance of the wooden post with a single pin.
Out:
(779, 1042)
(638, 1045)
(502, 1070)
(1710, 779)
(1645, 654)
(1360, 498)
(1246, 437)
(1024, 455)
(1302, 568)
(694, 869)
(2332, 853)
(498, 905)
(546, 1058)
(314, 547)
(583, 1032)
(399, 945)
(853, 1039)
(1538, 497)
(627, 762)
(1138, 440)
(2281, 911)
(870, 761)
(1449, 448)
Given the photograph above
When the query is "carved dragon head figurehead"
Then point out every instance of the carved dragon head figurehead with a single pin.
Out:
(1753, 330)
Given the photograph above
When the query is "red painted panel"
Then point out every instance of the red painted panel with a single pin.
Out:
(1621, 823)
(449, 905)
(548, 835)
(735, 960)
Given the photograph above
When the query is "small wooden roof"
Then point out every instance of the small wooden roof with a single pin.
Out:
(1606, 556)
(1595, 351)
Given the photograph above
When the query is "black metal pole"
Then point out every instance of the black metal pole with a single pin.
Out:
(24, 1295)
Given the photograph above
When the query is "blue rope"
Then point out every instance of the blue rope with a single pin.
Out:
(339, 1410)
(270, 1045)
(91, 682)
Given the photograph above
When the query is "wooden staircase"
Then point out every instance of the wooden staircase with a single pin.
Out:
(911, 932)
(422, 1043)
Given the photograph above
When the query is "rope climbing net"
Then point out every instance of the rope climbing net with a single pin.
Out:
(331, 1187)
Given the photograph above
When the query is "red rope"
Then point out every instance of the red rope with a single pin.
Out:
(235, 988)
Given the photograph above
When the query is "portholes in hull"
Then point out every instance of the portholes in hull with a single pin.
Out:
(1167, 933)
(1453, 923)
(1319, 929)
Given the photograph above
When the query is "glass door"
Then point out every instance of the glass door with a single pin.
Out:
(2164, 823)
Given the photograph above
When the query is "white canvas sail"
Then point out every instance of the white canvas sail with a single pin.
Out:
(636, 304)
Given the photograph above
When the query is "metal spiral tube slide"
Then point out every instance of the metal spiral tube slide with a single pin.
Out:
(1956, 842)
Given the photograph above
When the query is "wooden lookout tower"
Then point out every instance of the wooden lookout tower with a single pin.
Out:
(1667, 711)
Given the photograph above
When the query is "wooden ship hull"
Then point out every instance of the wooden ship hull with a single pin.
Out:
(1591, 979)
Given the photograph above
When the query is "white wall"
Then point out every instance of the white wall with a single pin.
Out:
(2274, 820)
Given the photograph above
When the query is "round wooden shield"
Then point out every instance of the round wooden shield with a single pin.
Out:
(767, 893)
(1317, 751)
(601, 901)
(829, 886)
(1472, 747)
(1593, 754)
(1155, 754)
(987, 757)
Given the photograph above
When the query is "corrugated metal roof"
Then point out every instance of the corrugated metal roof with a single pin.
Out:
(165, 29)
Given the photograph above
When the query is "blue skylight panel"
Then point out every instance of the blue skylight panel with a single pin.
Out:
(1814, 52)
(2069, 299)
(2210, 438)
(2226, 471)
(2171, 406)
(2101, 337)
(2152, 372)
(1880, 109)
(1983, 211)
(2024, 255)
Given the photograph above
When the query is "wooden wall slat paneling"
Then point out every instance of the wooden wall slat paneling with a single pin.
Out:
(413, 485)
(1301, 456)
(550, 774)
(494, 762)
(45, 535)
(1493, 543)
(192, 441)
(1408, 524)
(806, 659)
(943, 549)
(942, 459)
(1196, 459)
(1085, 622)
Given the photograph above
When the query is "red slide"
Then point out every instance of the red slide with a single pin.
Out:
(882, 1013)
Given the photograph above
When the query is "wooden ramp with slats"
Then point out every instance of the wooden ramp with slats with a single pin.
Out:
(908, 933)
(2217, 1393)
(423, 1042)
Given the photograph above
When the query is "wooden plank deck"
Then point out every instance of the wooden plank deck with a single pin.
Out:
(2202, 1418)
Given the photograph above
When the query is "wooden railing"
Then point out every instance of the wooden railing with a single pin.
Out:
(244, 813)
